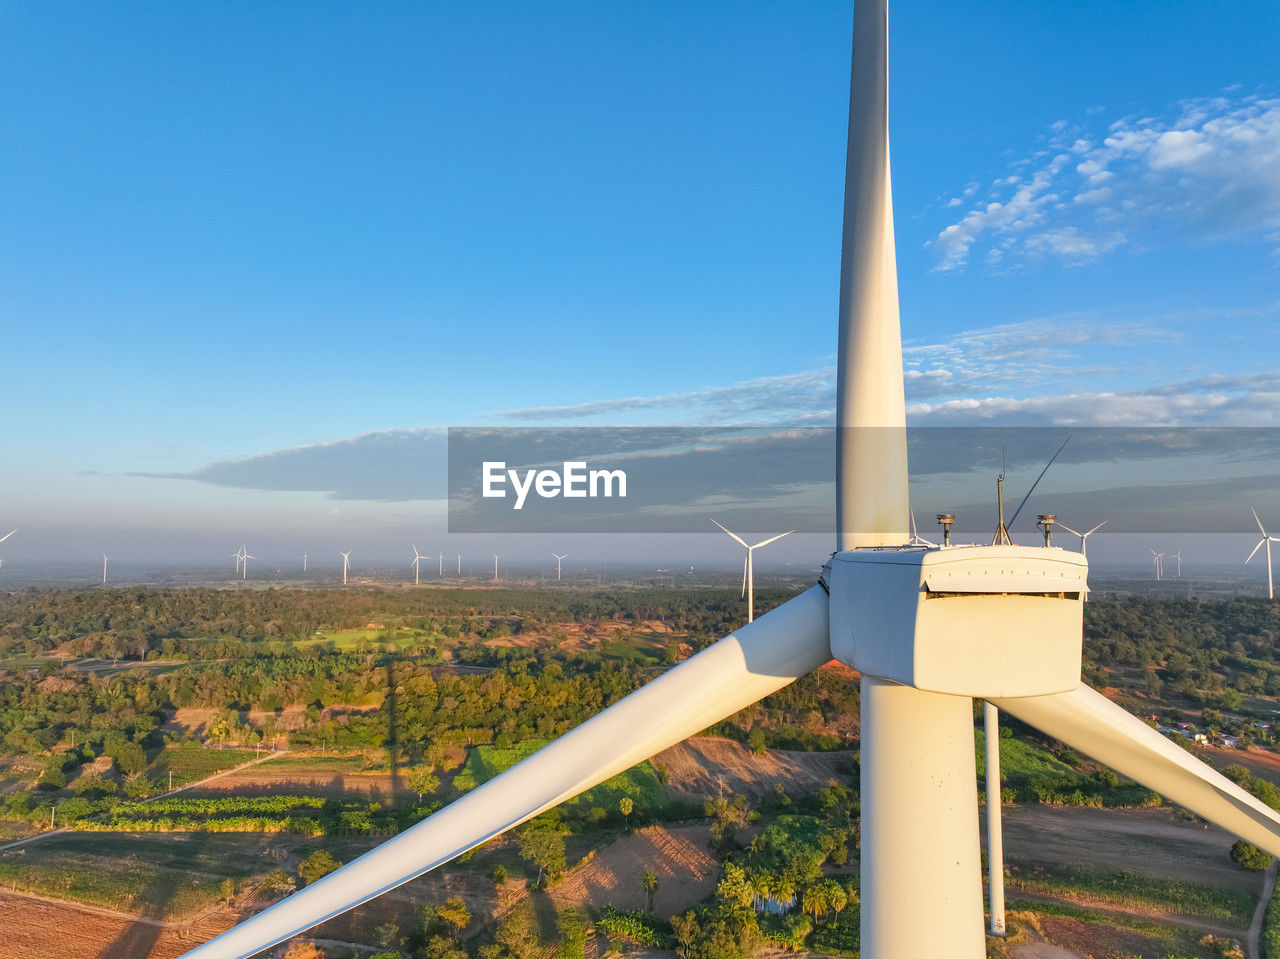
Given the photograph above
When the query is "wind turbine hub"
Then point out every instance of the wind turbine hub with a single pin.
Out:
(978, 621)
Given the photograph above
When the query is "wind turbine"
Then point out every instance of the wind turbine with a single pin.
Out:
(1178, 557)
(244, 561)
(237, 557)
(1084, 537)
(5, 537)
(346, 562)
(559, 560)
(748, 568)
(105, 557)
(304, 562)
(441, 573)
(884, 607)
(459, 564)
(1158, 559)
(1267, 540)
(495, 566)
(417, 558)
(1084, 543)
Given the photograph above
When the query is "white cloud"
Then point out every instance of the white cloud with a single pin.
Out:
(1209, 173)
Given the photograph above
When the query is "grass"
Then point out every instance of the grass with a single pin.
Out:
(173, 875)
(639, 783)
(1125, 889)
(1020, 761)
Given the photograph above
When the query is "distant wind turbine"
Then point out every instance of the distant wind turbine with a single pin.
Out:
(1084, 542)
(1158, 559)
(1084, 537)
(459, 564)
(244, 560)
(748, 567)
(105, 557)
(346, 561)
(559, 559)
(417, 558)
(1178, 557)
(441, 565)
(495, 566)
(1267, 540)
(304, 562)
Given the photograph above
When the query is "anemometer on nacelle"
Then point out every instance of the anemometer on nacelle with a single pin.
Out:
(980, 621)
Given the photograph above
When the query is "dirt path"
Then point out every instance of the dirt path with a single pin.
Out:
(1255, 927)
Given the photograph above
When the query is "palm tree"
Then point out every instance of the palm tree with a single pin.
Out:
(650, 883)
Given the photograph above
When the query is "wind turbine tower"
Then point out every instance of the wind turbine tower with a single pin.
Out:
(1267, 540)
(441, 573)
(105, 557)
(244, 559)
(346, 562)
(559, 560)
(304, 562)
(929, 630)
(417, 558)
(459, 564)
(748, 567)
(495, 566)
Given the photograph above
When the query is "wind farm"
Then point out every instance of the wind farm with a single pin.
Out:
(605, 240)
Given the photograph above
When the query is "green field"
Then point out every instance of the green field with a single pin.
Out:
(640, 782)
(1126, 889)
(173, 875)
(192, 763)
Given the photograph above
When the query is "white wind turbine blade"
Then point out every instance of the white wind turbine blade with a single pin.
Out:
(1255, 551)
(1086, 720)
(773, 539)
(745, 562)
(735, 536)
(1098, 527)
(1258, 521)
(7, 535)
(740, 669)
(1073, 532)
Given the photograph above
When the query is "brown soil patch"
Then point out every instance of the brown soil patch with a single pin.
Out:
(1153, 841)
(711, 766)
(1098, 941)
(1041, 950)
(36, 927)
(678, 856)
(264, 779)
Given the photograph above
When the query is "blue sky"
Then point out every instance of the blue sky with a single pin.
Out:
(232, 230)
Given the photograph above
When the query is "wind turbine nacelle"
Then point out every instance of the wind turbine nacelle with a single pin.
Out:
(980, 621)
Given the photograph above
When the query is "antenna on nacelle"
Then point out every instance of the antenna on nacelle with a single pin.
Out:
(946, 521)
(1002, 531)
(1045, 521)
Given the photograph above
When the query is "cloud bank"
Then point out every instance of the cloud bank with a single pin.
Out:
(1207, 173)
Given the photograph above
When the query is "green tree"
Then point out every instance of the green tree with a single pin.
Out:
(316, 866)
(573, 934)
(625, 806)
(1249, 856)
(755, 740)
(542, 844)
(517, 934)
(455, 914)
(422, 780)
(650, 883)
